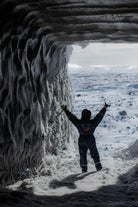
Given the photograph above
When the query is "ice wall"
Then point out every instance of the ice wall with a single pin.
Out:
(33, 85)
(34, 51)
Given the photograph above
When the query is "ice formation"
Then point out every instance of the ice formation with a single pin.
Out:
(35, 41)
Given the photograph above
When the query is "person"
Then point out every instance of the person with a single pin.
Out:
(86, 127)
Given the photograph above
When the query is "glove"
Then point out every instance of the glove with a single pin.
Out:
(64, 107)
(106, 105)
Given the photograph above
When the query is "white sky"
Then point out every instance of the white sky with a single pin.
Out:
(111, 54)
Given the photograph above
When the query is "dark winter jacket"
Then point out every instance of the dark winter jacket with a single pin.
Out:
(86, 128)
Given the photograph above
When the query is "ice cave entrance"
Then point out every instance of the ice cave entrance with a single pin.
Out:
(107, 73)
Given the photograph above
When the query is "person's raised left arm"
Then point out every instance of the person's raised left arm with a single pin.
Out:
(70, 116)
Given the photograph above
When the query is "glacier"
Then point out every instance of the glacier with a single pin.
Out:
(35, 46)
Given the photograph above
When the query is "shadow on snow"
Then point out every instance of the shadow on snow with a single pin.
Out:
(123, 194)
(69, 181)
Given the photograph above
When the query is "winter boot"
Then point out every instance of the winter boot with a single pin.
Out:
(98, 166)
(84, 169)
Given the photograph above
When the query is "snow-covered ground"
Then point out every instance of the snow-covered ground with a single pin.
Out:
(117, 86)
(117, 140)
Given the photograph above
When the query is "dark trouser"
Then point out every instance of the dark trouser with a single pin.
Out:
(86, 143)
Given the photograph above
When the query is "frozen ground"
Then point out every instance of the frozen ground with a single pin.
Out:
(117, 140)
(118, 87)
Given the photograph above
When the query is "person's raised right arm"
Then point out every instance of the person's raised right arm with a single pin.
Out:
(98, 118)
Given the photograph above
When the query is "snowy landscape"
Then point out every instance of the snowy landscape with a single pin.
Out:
(62, 183)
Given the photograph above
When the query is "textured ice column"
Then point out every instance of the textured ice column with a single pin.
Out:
(33, 85)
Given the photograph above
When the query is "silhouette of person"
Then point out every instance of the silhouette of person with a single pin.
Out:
(86, 127)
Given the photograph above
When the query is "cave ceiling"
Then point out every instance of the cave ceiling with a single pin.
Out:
(69, 21)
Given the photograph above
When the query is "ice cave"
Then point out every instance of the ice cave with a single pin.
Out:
(36, 39)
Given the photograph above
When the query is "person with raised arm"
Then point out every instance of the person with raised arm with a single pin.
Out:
(86, 127)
